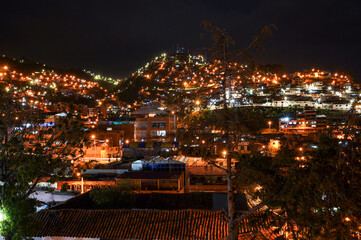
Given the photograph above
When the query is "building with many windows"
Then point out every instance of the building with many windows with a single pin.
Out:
(154, 128)
(305, 122)
(154, 124)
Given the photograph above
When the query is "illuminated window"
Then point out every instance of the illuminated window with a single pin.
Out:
(159, 133)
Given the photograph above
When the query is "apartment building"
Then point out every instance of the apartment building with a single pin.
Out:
(153, 124)
(305, 122)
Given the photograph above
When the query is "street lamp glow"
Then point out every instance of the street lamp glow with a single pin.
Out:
(224, 153)
(93, 136)
(198, 102)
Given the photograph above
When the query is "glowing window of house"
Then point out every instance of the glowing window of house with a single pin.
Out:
(161, 133)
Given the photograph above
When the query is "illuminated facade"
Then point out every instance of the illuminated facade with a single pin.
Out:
(306, 122)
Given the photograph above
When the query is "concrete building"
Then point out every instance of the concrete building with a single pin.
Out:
(305, 122)
(154, 124)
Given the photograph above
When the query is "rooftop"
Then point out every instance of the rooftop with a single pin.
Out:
(150, 175)
(145, 224)
(165, 201)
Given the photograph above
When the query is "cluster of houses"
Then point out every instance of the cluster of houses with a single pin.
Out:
(179, 174)
(179, 196)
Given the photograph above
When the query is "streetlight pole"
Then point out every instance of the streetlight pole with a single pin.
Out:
(82, 182)
(174, 126)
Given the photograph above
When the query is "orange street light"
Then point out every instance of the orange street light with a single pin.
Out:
(224, 153)
(93, 136)
(82, 182)
(198, 102)
(269, 124)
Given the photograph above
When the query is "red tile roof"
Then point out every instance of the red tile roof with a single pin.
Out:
(139, 224)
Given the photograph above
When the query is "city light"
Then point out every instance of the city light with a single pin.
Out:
(182, 126)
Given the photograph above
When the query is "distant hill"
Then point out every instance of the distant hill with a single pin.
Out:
(45, 87)
(27, 67)
(167, 75)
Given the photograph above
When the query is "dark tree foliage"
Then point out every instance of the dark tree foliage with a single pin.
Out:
(129, 88)
(205, 129)
(31, 152)
(231, 125)
(72, 99)
(317, 197)
(113, 197)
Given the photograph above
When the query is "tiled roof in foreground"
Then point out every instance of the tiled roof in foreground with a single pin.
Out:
(138, 224)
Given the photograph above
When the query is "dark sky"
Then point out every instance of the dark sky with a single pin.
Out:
(116, 37)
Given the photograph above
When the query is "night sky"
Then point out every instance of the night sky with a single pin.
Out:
(117, 37)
